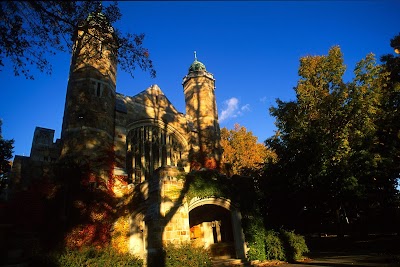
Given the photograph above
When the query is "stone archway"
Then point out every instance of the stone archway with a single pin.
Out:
(216, 224)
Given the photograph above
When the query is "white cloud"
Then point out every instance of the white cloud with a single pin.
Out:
(229, 111)
(263, 99)
(245, 107)
(232, 109)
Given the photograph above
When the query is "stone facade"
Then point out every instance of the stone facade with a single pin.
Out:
(144, 145)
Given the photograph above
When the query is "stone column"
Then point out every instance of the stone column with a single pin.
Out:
(238, 235)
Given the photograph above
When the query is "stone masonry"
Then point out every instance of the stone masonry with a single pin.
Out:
(143, 145)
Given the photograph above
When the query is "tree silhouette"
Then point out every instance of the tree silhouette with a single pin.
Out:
(6, 147)
(32, 31)
(331, 162)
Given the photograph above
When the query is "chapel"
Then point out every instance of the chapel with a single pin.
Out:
(141, 143)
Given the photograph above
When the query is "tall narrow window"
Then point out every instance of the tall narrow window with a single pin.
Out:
(152, 147)
(100, 47)
(98, 91)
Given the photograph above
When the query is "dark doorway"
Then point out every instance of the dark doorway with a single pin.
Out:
(211, 227)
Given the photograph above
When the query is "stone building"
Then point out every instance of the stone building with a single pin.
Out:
(144, 145)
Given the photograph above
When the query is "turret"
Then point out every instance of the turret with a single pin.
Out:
(201, 108)
(88, 123)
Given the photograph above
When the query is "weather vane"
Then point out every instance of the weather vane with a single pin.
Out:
(100, 7)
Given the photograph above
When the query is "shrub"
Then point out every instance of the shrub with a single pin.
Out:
(272, 245)
(88, 256)
(254, 231)
(186, 255)
(295, 245)
(274, 249)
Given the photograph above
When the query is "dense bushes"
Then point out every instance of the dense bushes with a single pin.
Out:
(254, 231)
(272, 245)
(186, 255)
(274, 249)
(87, 257)
(295, 245)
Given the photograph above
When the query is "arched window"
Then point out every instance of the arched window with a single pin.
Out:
(149, 148)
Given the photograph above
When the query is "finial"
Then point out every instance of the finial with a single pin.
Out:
(100, 7)
(195, 56)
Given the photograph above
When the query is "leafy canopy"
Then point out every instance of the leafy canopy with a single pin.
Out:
(331, 147)
(6, 150)
(32, 31)
(242, 151)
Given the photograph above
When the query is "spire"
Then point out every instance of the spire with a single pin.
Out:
(97, 15)
(100, 7)
(197, 65)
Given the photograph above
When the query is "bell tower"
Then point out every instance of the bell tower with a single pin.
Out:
(88, 122)
(201, 108)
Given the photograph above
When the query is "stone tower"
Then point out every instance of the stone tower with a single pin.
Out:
(201, 107)
(88, 123)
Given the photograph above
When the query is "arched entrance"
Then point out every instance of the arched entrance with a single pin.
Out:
(211, 227)
(216, 225)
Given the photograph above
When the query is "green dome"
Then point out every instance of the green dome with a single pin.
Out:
(197, 66)
(98, 18)
(97, 15)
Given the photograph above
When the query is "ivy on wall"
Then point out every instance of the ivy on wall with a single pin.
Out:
(208, 183)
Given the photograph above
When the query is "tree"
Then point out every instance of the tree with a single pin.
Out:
(329, 160)
(31, 31)
(389, 123)
(242, 151)
(6, 150)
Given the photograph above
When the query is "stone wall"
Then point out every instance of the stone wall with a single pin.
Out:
(174, 207)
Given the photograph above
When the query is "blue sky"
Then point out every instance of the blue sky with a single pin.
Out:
(252, 48)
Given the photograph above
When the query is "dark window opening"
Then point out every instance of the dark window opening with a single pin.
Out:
(151, 148)
(98, 92)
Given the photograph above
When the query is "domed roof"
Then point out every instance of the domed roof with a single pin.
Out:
(197, 66)
(100, 19)
(97, 15)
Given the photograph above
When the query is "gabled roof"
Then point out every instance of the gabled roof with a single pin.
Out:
(153, 96)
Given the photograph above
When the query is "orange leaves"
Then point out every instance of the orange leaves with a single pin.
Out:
(98, 216)
(241, 149)
(120, 235)
(94, 214)
(210, 163)
(80, 236)
(200, 160)
(88, 234)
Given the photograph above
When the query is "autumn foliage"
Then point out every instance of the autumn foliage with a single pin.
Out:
(242, 152)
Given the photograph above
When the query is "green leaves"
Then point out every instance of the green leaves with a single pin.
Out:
(329, 140)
